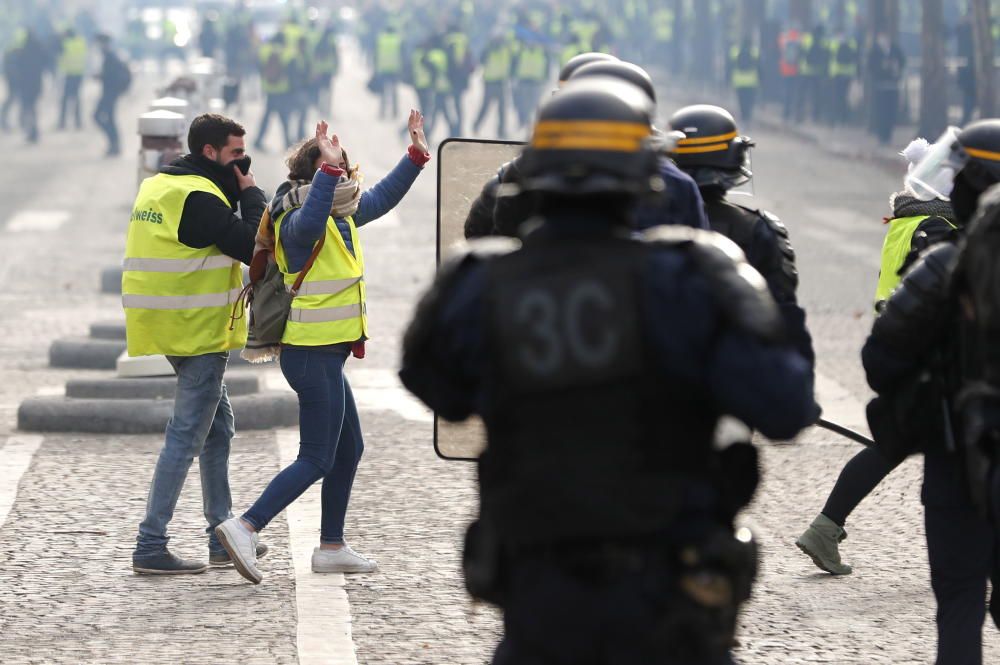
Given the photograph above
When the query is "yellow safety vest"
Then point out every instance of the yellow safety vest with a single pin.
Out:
(423, 78)
(663, 25)
(806, 45)
(330, 305)
(531, 64)
(73, 59)
(569, 52)
(896, 247)
(458, 44)
(438, 60)
(497, 66)
(744, 78)
(177, 299)
(284, 83)
(838, 69)
(389, 53)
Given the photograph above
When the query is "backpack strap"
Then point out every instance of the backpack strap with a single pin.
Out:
(305, 269)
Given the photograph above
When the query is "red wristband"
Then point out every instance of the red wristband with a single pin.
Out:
(418, 156)
(330, 169)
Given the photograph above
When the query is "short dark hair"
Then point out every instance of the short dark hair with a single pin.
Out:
(212, 129)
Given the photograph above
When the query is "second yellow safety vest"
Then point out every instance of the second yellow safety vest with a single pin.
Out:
(531, 63)
(744, 77)
(330, 305)
(896, 247)
(73, 58)
(389, 53)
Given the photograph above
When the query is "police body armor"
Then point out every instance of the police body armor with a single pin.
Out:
(582, 440)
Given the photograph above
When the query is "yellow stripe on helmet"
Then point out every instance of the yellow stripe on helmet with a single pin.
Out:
(589, 135)
(718, 147)
(701, 140)
(983, 154)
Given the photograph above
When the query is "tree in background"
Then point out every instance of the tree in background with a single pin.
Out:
(933, 75)
(982, 36)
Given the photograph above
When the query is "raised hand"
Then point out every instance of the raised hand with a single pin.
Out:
(329, 147)
(416, 127)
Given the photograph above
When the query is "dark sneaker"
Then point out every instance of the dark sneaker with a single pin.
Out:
(223, 559)
(166, 564)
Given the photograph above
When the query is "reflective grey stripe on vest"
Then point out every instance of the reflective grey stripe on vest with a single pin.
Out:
(133, 301)
(324, 286)
(178, 265)
(326, 314)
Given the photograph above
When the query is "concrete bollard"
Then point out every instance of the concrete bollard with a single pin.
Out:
(85, 353)
(162, 133)
(237, 384)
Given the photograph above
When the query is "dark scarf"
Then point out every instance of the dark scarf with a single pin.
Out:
(222, 176)
(904, 204)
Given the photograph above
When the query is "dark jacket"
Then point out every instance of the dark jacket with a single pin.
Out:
(207, 221)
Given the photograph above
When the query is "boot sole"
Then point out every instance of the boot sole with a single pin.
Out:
(816, 560)
(343, 569)
(240, 567)
(157, 571)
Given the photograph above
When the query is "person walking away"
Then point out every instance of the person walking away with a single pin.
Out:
(11, 55)
(790, 46)
(460, 68)
(325, 66)
(72, 67)
(744, 76)
(599, 363)
(843, 71)
(315, 218)
(917, 223)
(816, 72)
(422, 77)
(301, 74)
(941, 323)
(181, 277)
(116, 79)
(437, 61)
(29, 66)
(886, 63)
(275, 81)
(496, 63)
(531, 69)
(389, 68)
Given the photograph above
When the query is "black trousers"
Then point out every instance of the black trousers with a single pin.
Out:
(556, 615)
(70, 101)
(494, 94)
(962, 552)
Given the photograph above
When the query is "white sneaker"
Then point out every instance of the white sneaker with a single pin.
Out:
(344, 560)
(241, 543)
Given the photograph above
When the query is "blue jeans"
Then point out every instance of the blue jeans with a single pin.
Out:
(202, 426)
(330, 444)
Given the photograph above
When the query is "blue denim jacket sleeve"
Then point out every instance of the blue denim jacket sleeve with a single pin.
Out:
(303, 227)
(387, 192)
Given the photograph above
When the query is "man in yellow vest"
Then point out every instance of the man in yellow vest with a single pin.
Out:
(531, 70)
(276, 59)
(72, 66)
(181, 277)
(388, 68)
(496, 61)
(744, 75)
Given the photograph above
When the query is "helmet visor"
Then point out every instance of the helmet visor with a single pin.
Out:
(933, 176)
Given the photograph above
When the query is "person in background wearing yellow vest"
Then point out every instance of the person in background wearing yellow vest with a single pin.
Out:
(915, 225)
(496, 62)
(181, 277)
(843, 70)
(322, 202)
(815, 72)
(531, 70)
(388, 68)
(436, 61)
(301, 71)
(744, 76)
(275, 81)
(326, 64)
(460, 67)
(72, 66)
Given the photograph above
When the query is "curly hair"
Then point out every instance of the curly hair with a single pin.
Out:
(301, 160)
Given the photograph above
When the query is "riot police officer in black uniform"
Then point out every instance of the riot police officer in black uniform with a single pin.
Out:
(678, 203)
(717, 157)
(935, 344)
(600, 364)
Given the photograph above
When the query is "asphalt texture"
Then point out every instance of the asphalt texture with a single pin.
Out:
(67, 593)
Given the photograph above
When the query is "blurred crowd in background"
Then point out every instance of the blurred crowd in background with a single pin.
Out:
(836, 62)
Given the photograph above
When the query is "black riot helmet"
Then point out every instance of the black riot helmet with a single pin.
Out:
(959, 166)
(594, 137)
(618, 69)
(578, 61)
(712, 150)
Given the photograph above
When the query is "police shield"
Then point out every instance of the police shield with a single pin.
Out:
(464, 166)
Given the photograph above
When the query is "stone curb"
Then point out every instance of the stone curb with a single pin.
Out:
(85, 353)
(151, 387)
(108, 330)
(146, 416)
